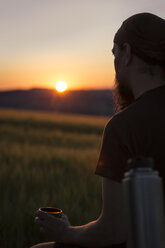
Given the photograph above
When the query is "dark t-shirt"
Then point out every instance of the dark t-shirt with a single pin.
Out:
(137, 131)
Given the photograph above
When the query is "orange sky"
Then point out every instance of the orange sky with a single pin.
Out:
(46, 71)
(45, 41)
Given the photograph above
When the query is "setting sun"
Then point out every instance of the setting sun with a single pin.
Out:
(61, 86)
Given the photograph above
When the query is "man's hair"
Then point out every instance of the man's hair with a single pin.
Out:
(145, 32)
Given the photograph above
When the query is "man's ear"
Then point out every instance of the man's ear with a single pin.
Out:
(128, 53)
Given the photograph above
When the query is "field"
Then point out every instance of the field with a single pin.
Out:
(46, 159)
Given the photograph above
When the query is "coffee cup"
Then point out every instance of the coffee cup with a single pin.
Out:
(51, 210)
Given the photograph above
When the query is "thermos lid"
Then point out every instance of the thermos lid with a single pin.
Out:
(142, 162)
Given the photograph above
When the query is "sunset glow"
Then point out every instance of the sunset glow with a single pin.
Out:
(61, 86)
(71, 40)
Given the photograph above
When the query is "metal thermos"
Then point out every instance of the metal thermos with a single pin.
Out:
(143, 197)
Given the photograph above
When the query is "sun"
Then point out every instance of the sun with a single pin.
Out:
(61, 86)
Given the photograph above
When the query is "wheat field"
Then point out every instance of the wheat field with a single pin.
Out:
(46, 159)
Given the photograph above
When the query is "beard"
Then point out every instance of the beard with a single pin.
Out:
(122, 94)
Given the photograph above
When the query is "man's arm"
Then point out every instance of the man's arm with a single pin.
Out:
(109, 228)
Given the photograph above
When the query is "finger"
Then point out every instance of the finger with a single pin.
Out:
(43, 223)
(38, 221)
(41, 214)
(64, 216)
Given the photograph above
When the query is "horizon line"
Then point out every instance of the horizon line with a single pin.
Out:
(47, 88)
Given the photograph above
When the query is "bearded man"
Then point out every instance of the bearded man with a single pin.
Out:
(137, 129)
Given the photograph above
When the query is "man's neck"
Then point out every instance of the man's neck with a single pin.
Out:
(144, 84)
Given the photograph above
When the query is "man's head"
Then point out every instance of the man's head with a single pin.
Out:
(140, 40)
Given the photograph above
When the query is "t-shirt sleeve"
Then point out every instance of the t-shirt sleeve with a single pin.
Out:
(114, 153)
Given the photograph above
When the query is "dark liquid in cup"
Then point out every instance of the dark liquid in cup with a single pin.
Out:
(54, 211)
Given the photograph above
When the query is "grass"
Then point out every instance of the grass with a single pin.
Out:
(46, 159)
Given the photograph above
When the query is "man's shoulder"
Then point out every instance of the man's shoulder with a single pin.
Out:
(116, 123)
(122, 116)
(122, 120)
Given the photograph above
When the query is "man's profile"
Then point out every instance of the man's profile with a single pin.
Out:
(137, 129)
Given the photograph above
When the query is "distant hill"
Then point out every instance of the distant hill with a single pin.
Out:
(92, 102)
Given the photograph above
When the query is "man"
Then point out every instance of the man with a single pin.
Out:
(138, 129)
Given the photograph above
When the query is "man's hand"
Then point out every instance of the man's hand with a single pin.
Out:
(54, 227)
(107, 230)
